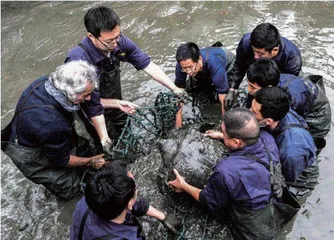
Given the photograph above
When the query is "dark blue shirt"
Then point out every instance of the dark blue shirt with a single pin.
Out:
(42, 127)
(214, 70)
(296, 146)
(241, 180)
(96, 227)
(303, 92)
(126, 50)
(288, 59)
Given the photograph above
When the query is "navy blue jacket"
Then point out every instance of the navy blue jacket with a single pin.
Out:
(96, 227)
(241, 180)
(303, 92)
(215, 63)
(127, 52)
(296, 146)
(42, 127)
(288, 60)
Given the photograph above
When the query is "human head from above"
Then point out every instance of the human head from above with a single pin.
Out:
(76, 80)
(111, 190)
(103, 28)
(262, 73)
(189, 57)
(240, 128)
(265, 40)
(270, 105)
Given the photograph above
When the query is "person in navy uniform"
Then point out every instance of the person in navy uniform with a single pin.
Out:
(239, 188)
(264, 42)
(111, 205)
(41, 139)
(296, 146)
(105, 46)
(207, 69)
(308, 97)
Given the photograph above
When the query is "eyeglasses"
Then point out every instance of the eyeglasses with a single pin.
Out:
(189, 69)
(110, 42)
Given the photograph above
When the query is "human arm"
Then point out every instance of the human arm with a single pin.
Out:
(124, 106)
(95, 161)
(180, 185)
(214, 134)
(244, 56)
(222, 102)
(160, 76)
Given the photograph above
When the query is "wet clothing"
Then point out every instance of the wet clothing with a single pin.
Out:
(309, 100)
(110, 86)
(243, 184)
(96, 228)
(216, 62)
(297, 152)
(288, 60)
(41, 138)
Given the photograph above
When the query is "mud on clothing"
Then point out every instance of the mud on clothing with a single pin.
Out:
(216, 61)
(288, 60)
(108, 68)
(243, 184)
(41, 139)
(297, 152)
(95, 227)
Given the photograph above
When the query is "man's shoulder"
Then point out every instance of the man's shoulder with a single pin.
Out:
(77, 53)
(289, 46)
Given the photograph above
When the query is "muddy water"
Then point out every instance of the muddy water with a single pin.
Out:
(35, 37)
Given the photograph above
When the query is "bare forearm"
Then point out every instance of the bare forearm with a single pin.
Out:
(76, 161)
(160, 76)
(222, 102)
(191, 190)
(109, 103)
(153, 212)
(100, 127)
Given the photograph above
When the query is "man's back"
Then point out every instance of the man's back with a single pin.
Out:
(296, 146)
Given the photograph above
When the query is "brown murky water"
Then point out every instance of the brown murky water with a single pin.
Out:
(35, 37)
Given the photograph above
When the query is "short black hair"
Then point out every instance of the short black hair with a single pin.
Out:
(241, 123)
(275, 102)
(109, 190)
(186, 51)
(100, 19)
(265, 36)
(264, 72)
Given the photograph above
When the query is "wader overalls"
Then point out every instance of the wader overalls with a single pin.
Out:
(264, 223)
(318, 117)
(110, 87)
(308, 178)
(61, 181)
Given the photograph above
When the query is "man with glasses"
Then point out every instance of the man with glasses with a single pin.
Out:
(207, 70)
(297, 149)
(239, 188)
(264, 42)
(111, 205)
(104, 47)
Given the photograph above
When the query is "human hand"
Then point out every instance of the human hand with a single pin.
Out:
(230, 98)
(178, 183)
(181, 93)
(172, 223)
(127, 107)
(97, 161)
(213, 134)
(107, 146)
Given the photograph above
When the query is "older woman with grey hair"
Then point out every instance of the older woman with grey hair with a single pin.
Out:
(41, 139)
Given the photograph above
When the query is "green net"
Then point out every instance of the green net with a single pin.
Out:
(147, 124)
